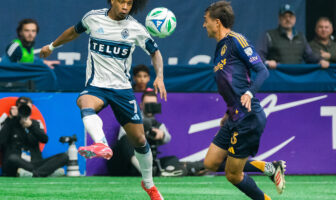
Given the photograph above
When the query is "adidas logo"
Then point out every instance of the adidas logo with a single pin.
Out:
(84, 92)
(136, 117)
(100, 30)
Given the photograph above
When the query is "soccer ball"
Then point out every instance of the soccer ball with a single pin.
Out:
(160, 22)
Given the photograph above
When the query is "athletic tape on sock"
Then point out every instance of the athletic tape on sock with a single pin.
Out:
(87, 112)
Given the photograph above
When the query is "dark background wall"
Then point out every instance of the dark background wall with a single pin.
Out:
(316, 9)
(253, 18)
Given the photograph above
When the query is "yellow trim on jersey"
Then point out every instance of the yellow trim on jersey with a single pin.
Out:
(240, 39)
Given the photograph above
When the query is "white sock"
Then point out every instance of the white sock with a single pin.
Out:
(94, 126)
(135, 163)
(146, 165)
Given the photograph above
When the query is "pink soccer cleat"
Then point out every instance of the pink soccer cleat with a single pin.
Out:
(152, 192)
(96, 150)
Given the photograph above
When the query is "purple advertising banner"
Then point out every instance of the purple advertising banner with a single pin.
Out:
(300, 129)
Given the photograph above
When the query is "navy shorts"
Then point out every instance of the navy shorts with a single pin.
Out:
(122, 102)
(241, 138)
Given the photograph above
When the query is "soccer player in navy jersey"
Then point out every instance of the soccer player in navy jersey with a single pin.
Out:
(244, 120)
(114, 33)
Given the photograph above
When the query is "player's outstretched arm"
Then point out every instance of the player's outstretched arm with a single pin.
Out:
(67, 36)
(158, 82)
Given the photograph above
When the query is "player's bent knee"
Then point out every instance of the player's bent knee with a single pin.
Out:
(210, 165)
(234, 178)
(81, 102)
(88, 101)
(139, 141)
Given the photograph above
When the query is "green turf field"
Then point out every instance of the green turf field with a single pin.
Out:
(186, 188)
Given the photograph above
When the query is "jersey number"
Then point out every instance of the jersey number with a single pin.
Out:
(234, 138)
(135, 106)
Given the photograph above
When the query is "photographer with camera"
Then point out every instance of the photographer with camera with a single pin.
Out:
(123, 162)
(20, 135)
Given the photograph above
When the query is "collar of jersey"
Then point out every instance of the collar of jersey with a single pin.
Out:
(116, 21)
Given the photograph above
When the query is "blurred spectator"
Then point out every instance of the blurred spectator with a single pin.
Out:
(285, 45)
(323, 43)
(141, 78)
(22, 48)
(20, 137)
(124, 163)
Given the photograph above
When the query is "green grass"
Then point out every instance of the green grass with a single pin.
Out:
(185, 188)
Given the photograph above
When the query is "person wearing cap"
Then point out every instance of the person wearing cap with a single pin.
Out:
(323, 43)
(285, 45)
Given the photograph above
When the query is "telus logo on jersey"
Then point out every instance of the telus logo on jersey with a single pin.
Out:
(110, 48)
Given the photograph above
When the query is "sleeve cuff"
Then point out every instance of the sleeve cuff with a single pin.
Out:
(249, 93)
(151, 46)
(80, 28)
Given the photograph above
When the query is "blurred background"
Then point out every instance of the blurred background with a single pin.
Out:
(299, 98)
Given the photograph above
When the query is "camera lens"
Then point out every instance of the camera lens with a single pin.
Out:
(24, 111)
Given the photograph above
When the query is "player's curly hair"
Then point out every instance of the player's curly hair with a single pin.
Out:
(136, 7)
(222, 10)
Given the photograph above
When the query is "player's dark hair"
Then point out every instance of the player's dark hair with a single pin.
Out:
(24, 22)
(222, 10)
(137, 5)
(23, 100)
(149, 93)
(140, 68)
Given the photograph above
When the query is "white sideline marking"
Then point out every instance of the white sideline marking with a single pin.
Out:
(196, 156)
(272, 151)
(204, 126)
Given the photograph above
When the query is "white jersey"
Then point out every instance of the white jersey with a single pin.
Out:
(110, 48)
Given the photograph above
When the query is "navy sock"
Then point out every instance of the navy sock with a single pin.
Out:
(250, 188)
(250, 166)
(254, 166)
(142, 150)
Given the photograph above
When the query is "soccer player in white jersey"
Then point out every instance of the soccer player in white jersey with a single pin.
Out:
(113, 36)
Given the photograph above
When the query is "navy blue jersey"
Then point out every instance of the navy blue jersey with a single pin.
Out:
(234, 58)
(14, 52)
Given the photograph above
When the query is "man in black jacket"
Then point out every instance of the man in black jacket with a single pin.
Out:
(21, 134)
(285, 45)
